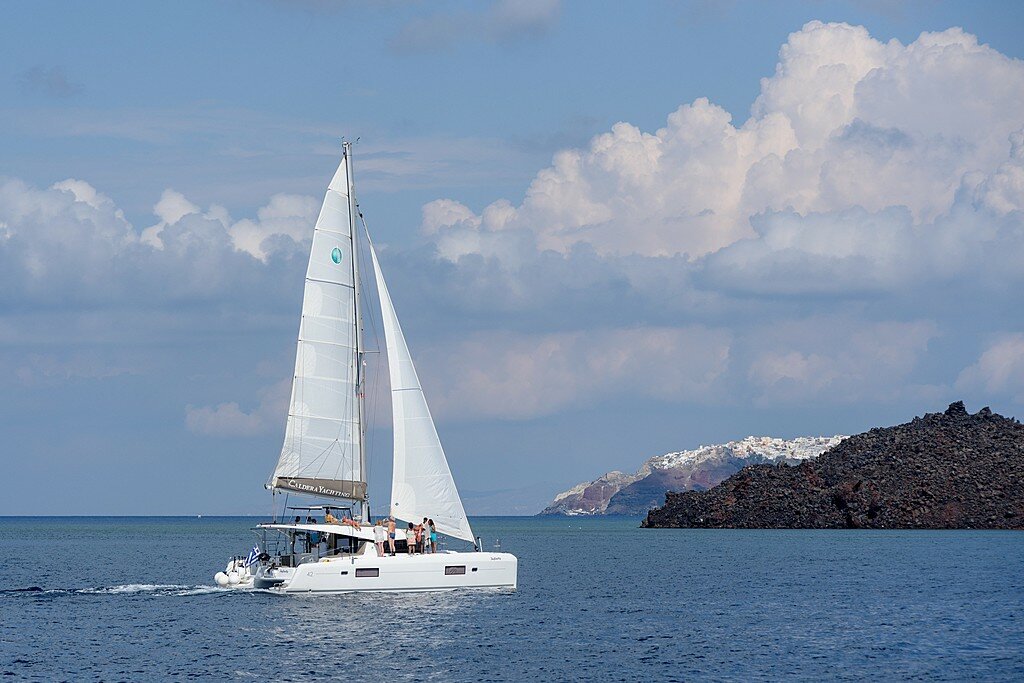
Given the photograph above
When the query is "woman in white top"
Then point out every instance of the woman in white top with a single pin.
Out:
(380, 534)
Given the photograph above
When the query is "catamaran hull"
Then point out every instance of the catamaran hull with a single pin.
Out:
(416, 573)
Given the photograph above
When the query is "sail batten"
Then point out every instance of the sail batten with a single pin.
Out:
(321, 453)
(422, 483)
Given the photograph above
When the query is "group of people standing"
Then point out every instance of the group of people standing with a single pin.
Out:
(419, 538)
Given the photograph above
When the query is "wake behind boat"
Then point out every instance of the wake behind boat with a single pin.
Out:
(324, 451)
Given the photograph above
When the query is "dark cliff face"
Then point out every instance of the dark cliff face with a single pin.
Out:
(941, 471)
(641, 496)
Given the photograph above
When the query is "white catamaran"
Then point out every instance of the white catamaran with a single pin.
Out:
(324, 452)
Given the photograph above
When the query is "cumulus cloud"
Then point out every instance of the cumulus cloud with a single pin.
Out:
(872, 202)
(845, 122)
(285, 215)
(852, 252)
(68, 235)
(69, 243)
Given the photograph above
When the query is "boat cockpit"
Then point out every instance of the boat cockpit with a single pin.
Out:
(289, 545)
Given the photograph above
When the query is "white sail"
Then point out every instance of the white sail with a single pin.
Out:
(422, 484)
(321, 453)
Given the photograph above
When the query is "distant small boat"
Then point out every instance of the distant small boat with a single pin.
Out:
(324, 451)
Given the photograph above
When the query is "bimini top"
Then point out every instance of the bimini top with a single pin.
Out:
(364, 534)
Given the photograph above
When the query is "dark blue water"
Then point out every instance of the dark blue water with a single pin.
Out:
(598, 599)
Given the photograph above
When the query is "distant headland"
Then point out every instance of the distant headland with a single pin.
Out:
(950, 470)
(618, 493)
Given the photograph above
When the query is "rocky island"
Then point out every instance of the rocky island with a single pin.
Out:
(950, 470)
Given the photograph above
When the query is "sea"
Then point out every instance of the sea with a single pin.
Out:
(599, 599)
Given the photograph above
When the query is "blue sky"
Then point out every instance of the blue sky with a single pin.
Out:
(592, 263)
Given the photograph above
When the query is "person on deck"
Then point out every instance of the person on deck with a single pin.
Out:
(347, 521)
(433, 535)
(419, 537)
(380, 534)
(410, 539)
(301, 537)
(391, 535)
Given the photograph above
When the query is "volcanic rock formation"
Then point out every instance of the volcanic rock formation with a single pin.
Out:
(946, 470)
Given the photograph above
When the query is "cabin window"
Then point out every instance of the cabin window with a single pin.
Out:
(474, 568)
(368, 572)
(455, 570)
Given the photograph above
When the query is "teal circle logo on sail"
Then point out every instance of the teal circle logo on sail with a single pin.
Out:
(336, 255)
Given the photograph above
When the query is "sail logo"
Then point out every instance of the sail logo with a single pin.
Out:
(336, 255)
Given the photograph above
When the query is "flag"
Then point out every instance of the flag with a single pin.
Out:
(253, 556)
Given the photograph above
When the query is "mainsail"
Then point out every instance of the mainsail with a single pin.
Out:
(422, 484)
(322, 452)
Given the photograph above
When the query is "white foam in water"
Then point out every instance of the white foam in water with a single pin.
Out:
(202, 590)
(168, 589)
(171, 589)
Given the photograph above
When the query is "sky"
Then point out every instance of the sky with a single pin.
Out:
(611, 230)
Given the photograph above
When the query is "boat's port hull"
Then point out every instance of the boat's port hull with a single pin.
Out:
(402, 573)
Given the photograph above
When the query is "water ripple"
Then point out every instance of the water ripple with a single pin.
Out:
(598, 601)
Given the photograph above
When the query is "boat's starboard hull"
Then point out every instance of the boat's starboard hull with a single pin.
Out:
(407, 573)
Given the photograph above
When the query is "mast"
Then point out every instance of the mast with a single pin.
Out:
(360, 374)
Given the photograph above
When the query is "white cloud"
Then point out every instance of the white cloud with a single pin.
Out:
(853, 251)
(1003, 191)
(173, 206)
(87, 194)
(516, 376)
(837, 360)
(846, 122)
(68, 234)
(70, 244)
(286, 214)
(229, 419)
(289, 215)
(446, 213)
(998, 371)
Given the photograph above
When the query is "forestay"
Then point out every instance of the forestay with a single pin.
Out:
(321, 452)
(422, 484)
